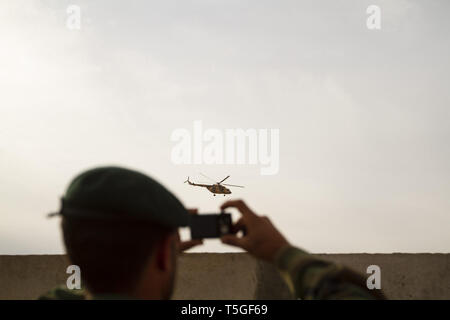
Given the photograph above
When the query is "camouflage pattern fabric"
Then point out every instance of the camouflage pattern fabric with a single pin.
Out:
(62, 293)
(310, 278)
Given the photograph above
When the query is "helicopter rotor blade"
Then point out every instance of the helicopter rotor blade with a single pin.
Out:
(232, 185)
(207, 177)
(223, 179)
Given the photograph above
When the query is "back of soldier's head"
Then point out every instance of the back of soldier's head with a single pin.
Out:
(112, 220)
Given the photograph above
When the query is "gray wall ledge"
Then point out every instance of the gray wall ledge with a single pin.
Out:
(239, 276)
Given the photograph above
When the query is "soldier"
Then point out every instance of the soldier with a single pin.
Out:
(120, 228)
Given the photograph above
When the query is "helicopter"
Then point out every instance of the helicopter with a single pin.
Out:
(216, 188)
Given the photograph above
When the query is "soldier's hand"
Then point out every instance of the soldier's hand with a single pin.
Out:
(261, 238)
(186, 245)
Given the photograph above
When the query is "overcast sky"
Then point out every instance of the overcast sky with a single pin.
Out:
(363, 114)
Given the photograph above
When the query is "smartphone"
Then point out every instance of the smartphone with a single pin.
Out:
(211, 225)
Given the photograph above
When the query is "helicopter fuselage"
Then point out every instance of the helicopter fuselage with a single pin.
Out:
(217, 188)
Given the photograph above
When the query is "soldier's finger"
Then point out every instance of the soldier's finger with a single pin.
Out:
(233, 240)
(192, 210)
(186, 245)
(238, 226)
(241, 206)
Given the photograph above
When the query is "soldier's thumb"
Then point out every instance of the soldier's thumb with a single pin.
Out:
(233, 241)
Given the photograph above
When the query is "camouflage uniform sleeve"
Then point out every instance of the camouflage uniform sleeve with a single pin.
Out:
(309, 277)
(62, 293)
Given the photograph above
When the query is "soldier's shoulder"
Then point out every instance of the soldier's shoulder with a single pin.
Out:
(63, 293)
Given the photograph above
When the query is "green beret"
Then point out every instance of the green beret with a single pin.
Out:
(113, 193)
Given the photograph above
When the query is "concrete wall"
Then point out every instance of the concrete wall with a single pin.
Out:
(239, 276)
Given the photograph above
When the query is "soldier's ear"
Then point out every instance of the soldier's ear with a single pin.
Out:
(164, 252)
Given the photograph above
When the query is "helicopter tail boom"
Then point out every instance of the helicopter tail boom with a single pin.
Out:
(196, 184)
